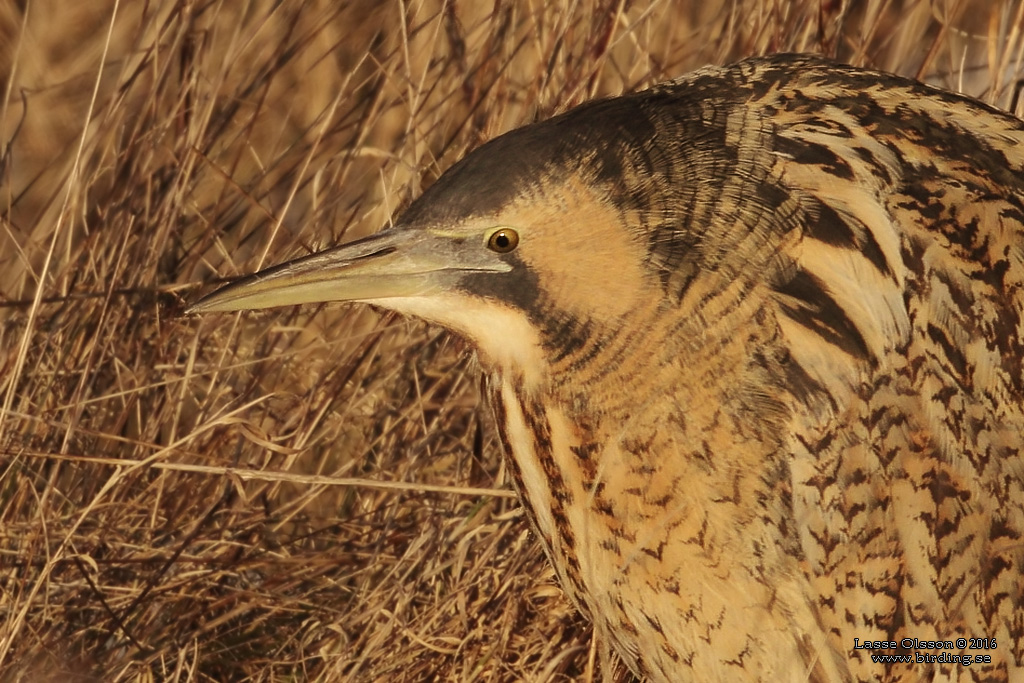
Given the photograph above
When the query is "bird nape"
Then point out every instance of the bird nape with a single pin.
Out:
(754, 344)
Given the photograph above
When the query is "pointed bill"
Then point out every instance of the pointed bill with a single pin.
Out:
(393, 263)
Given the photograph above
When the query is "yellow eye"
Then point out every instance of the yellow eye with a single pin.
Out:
(503, 241)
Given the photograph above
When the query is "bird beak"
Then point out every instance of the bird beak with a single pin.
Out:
(396, 262)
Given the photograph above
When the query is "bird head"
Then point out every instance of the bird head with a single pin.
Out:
(530, 240)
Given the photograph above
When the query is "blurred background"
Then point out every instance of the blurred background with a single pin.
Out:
(311, 493)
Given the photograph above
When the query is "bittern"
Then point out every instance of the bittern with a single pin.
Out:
(754, 341)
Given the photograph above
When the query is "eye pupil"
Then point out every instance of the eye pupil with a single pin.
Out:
(503, 241)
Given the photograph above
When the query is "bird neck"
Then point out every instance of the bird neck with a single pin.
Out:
(588, 444)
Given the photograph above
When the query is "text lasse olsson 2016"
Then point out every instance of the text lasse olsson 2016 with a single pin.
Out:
(915, 644)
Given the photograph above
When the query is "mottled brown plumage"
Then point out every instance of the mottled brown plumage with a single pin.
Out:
(755, 343)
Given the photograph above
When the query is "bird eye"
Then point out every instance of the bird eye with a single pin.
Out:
(503, 241)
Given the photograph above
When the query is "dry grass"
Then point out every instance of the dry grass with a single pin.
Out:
(207, 499)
